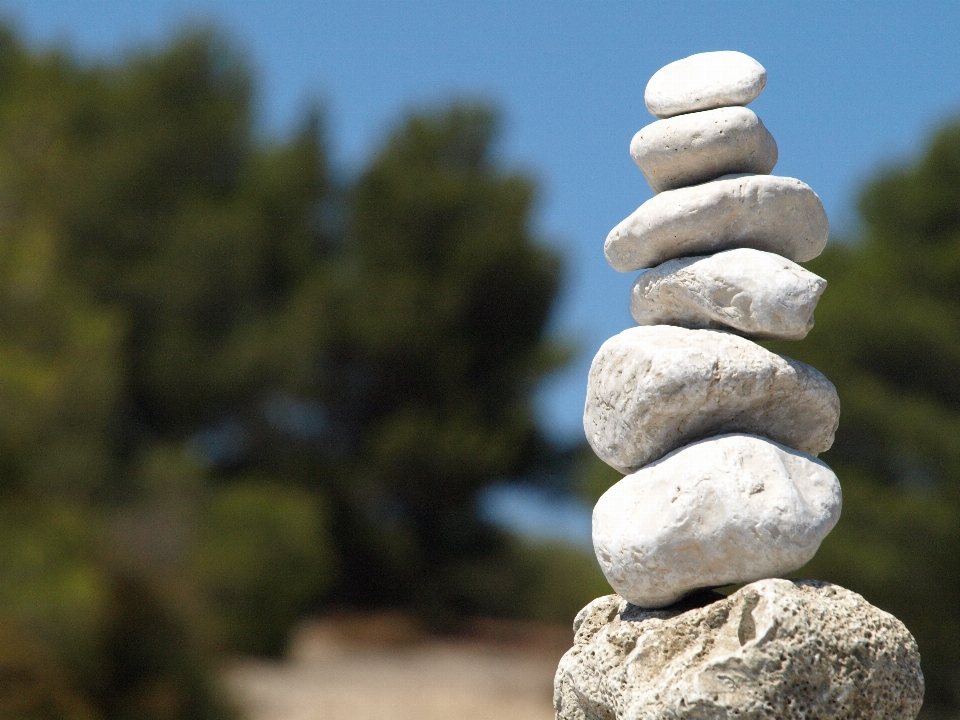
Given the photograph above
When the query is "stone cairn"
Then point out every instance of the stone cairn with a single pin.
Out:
(717, 437)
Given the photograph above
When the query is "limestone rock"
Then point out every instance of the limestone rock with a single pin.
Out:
(773, 650)
(731, 509)
(702, 146)
(765, 212)
(653, 389)
(755, 293)
(704, 81)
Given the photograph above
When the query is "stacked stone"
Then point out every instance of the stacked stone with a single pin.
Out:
(718, 437)
(717, 433)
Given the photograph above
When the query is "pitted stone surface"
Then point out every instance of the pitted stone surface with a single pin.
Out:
(653, 389)
(704, 81)
(752, 292)
(765, 212)
(694, 148)
(730, 509)
(775, 649)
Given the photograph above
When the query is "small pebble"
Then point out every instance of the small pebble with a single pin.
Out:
(704, 81)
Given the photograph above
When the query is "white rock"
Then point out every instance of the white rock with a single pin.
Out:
(765, 212)
(773, 650)
(731, 509)
(703, 146)
(755, 293)
(704, 81)
(653, 389)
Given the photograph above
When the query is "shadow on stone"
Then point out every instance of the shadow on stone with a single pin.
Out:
(695, 600)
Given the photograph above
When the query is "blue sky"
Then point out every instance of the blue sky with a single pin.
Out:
(851, 86)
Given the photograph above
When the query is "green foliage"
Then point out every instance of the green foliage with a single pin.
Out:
(80, 640)
(593, 476)
(261, 557)
(441, 298)
(146, 241)
(557, 581)
(50, 582)
(151, 665)
(33, 686)
(386, 362)
(222, 376)
(888, 335)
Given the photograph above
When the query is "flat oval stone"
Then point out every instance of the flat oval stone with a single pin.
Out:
(704, 81)
(653, 389)
(754, 293)
(731, 509)
(702, 146)
(765, 212)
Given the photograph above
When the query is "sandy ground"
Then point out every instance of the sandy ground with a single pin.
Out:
(502, 672)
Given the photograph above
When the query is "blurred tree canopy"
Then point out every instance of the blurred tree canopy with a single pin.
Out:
(439, 305)
(233, 390)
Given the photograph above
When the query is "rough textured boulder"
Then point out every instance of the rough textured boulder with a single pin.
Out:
(653, 389)
(694, 148)
(774, 650)
(754, 293)
(766, 212)
(731, 509)
(704, 81)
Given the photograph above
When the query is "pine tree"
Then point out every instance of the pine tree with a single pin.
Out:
(440, 297)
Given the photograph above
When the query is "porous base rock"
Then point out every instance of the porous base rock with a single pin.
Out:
(775, 649)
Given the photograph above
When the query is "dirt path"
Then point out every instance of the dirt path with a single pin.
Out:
(333, 678)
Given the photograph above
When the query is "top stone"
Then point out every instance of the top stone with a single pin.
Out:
(703, 82)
